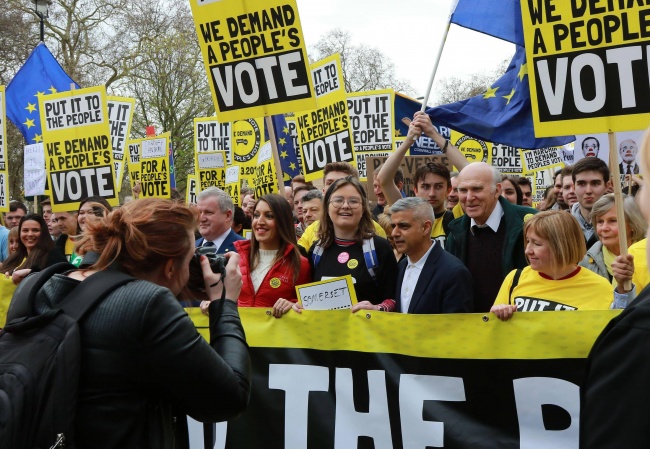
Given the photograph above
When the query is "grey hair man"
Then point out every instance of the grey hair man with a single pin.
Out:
(215, 220)
(429, 279)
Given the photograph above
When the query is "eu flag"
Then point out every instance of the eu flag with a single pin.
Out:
(498, 18)
(40, 75)
(502, 114)
(286, 149)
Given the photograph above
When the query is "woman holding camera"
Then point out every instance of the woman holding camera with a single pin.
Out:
(270, 262)
(141, 354)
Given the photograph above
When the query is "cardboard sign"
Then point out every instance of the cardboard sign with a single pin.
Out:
(34, 169)
(506, 159)
(154, 167)
(120, 117)
(255, 57)
(247, 234)
(588, 65)
(212, 136)
(331, 294)
(4, 182)
(133, 161)
(78, 147)
(292, 131)
(542, 158)
(325, 133)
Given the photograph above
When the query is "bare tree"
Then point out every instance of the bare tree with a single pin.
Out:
(364, 68)
(453, 89)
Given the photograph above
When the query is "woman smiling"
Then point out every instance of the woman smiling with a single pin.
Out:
(553, 281)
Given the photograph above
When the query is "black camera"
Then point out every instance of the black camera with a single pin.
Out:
(217, 264)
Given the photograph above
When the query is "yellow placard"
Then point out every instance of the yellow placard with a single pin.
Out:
(232, 184)
(587, 65)
(191, 190)
(542, 159)
(212, 143)
(324, 133)
(330, 294)
(78, 147)
(265, 180)
(255, 57)
(372, 118)
(248, 136)
(133, 160)
(4, 181)
(120, 117)
(154, 167)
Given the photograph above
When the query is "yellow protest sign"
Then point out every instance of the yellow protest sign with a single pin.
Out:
(330, 294)
(154, 167)
(588, 65)
(265, 180)
(133, 161)
(192, 189)
(372, 120)
(247, 138)
(120, 117)
(78, 147)
(211, 139)
(324, 133)
(255, 57)
(542, 159)
(232, 184)
(4, 182)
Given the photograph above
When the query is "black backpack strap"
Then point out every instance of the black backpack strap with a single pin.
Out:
(515, 281)
(91, 291)
(447, 218)
(23, 299)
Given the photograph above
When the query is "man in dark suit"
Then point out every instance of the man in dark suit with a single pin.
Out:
(628, 150)
(429, 279)
(215, 220)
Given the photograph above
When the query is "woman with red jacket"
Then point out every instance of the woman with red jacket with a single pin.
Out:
(270, 263)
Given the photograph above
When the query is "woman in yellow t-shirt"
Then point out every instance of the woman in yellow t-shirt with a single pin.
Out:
(553, 281)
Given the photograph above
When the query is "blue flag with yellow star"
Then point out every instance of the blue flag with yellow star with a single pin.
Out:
(502, 114)
(40, 75)
(286, 149)
(501, 19)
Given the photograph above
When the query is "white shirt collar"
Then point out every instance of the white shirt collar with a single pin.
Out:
(420, 263)
(219, 240)
(493, 221)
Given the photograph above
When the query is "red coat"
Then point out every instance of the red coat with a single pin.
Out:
(278, 282)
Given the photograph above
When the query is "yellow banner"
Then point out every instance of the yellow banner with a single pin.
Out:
(324, 133)
(78, 147)
(255, 57)
(588, 65)
(133, 161)
(265, 180)
(4, 180)
(120, 117)
(154, 167)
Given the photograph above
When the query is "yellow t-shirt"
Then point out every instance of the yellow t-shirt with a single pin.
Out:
(311, 234)
(641, 277)
(458, 210)
(534, 293)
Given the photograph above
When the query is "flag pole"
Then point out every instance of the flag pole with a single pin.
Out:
(618, 198)
(435, 67)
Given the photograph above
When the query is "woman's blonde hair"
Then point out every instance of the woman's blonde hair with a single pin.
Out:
(563, 233)
(633, 217)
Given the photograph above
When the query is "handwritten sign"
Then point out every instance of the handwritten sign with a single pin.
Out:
(331, 294)
(34, 167)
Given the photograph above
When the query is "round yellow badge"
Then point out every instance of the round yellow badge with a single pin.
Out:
(275, 282)
(527, 217)
(353, 263)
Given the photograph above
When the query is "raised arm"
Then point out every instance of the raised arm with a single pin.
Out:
(386, 175)
(423, 121)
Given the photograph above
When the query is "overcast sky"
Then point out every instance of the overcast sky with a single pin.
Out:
(409, 33)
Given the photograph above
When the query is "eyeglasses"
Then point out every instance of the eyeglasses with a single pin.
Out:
(338, 202)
